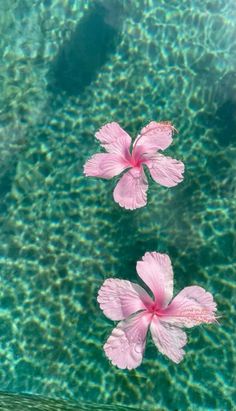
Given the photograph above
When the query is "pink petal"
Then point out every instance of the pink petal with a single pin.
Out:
(168, 339)
(192, 306)
(165, 170)
(114, 139)
(155, 270)
(130, 191)
(120, 298)
(155, 136)
(126, 344)
(105, 165)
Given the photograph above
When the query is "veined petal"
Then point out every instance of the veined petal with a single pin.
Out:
(120, 298)
(192, 306)
(126, 344)
(156, 271)
(130, 191)
(105, 165)
(155, 136)
(114, 139)
(165, 170)
(168, 339)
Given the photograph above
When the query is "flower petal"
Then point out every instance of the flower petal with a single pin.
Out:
(105, 165)
(120, 298)
(168, 339)
(130, 191)
(155, 136)
(114, 139)
(192, 306)
(126, 344)
(165, 170)
(155, 270)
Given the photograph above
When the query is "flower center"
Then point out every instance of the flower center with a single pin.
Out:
(136, 159)
(154, 309)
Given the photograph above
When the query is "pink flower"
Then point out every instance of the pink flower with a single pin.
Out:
(130, 192)
(130, 303)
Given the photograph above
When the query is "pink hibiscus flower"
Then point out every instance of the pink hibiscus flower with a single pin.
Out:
(130, 303)
(130, 192)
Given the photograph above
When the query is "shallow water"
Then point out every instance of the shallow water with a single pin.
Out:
(62, 234)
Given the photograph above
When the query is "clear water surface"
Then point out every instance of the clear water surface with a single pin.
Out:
(66, 68)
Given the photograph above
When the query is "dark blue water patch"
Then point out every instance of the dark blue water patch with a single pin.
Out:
(87, 50)
(226, 123)
(6, 180)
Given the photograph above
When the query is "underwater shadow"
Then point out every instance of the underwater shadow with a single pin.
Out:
(225, 113)
(89, 47)
(226, 123)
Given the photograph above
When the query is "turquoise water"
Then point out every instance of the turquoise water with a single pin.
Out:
(62, 234)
